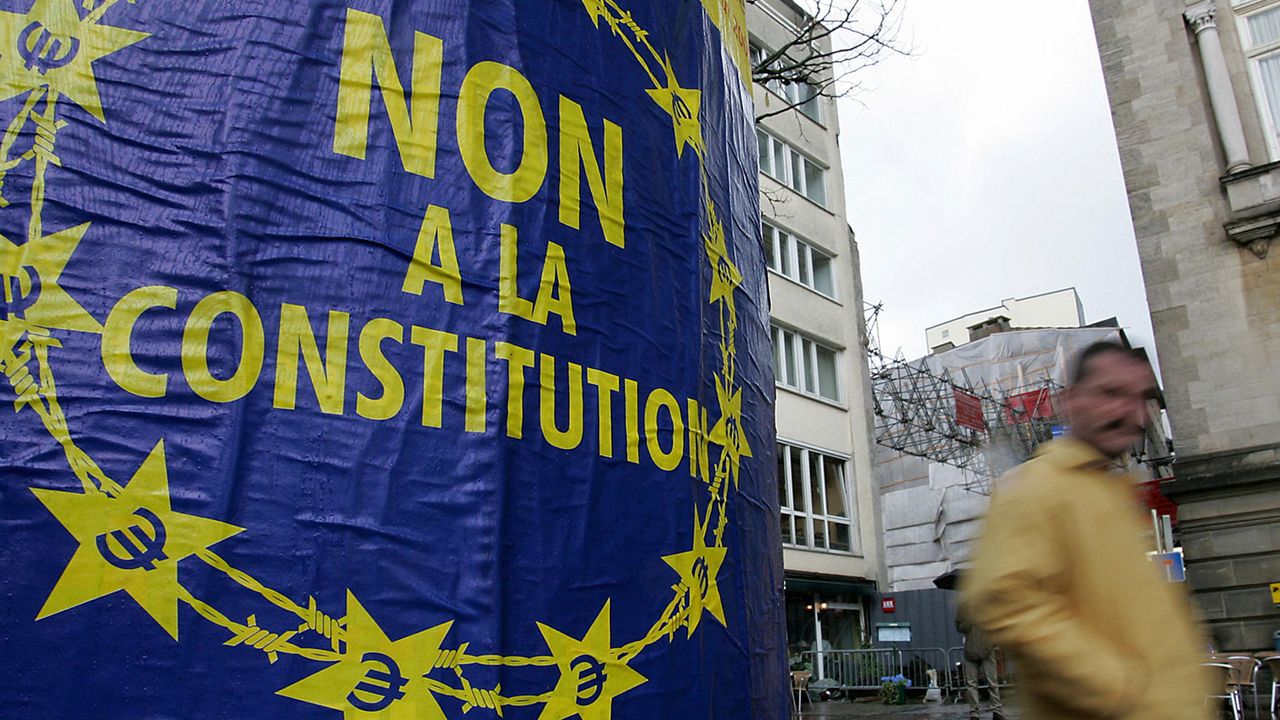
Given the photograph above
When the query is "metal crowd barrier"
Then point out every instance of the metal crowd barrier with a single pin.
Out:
(862, 669)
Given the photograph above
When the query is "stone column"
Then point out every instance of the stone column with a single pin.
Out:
(1221, 95)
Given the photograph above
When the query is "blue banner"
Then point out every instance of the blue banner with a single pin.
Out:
(384, 359)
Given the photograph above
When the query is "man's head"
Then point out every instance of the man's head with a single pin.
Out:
(1107, 399)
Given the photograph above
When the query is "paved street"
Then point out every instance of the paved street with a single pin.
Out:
(837, 710)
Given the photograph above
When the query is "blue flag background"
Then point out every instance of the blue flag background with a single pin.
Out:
(383, 359)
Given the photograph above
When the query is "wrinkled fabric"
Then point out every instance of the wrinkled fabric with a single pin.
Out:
(384, 358)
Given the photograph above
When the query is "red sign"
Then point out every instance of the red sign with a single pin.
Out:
(888, 605)
(969, 411)
(1152, 499)
(1028, 406)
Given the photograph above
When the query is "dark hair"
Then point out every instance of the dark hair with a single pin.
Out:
(1080, 370)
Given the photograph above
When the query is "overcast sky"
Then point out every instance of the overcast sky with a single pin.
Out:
(985, 167)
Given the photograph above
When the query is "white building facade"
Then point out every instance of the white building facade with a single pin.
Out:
(830, 512)
(1057, 309)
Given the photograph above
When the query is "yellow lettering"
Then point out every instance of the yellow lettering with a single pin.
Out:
(518, 359)
(473, 100)
(509, 300)
(328, 374)
(366, 58)
(604, 180)
(571, 437)
(555, 277)
(195, 347)
(555, 294)
(117, 335)
(658, 400)
(631, 401)
(477, 393)
(434, 343)
(392, 397)
(698, 428)
(606, 385)
(435, 236)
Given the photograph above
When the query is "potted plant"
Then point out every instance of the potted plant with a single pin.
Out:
(893, 689)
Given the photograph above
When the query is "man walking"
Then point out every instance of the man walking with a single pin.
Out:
(1060, 577)
(979, 654)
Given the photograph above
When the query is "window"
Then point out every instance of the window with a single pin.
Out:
(1260, 35)
(805, 365)
(792, 168)
(795, 259)
(813, 495)
(800, 94)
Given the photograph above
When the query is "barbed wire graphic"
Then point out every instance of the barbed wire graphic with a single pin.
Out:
(131, 525)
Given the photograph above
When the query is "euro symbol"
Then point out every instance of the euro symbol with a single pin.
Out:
(44, 51)
(21, 291)
(680, 109)
(591, 677)
(700, 571)
(385, 684)
(141, 550)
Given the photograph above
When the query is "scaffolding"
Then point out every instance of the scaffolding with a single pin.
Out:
(932, 413)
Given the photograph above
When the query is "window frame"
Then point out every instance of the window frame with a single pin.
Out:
(795, 253)
(789, 511)
(802, 350)
(790, 154)
(1253, 56)
(756, 51)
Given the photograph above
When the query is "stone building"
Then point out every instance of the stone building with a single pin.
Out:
(830, 517)
(1195, 98)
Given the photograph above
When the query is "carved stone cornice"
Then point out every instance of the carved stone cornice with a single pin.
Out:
(1202, 17)
(1254, 233)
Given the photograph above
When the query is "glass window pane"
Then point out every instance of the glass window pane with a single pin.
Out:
(815, 484)
(789, 359)
(787, 536)
(810, 380)
(822, 280)
(797, 480)
(812, 103)
(1269, 77)
(797, 172)
(814, 187)
(1264, 27)
(786, 249)
(806, 269)
(838, 536)
(770, 254)
(833, 479)
(828, 387)
(782, 477)
(802, 530)
(819, 534)
(780, 162)
(766, 155)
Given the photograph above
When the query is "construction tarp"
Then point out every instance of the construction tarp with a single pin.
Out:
(384, 359)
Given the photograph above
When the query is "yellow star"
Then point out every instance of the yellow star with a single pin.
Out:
(131, 543)
(682, 105)
(48, 256)
(376, 677)
(52, 46)
(595, 8)
(728, 432)
(591, 675)
(698, 569)
(725, 276)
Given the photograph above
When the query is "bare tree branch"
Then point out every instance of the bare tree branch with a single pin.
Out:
(832, 43)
